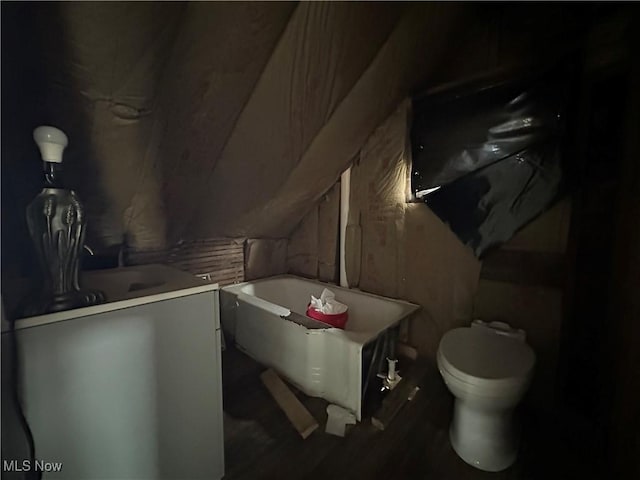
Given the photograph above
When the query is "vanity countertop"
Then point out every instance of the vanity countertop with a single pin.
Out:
(127, 287)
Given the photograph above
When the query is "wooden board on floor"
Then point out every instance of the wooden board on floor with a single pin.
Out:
(297, 414)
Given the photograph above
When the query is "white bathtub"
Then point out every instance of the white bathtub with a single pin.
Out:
(267, 318)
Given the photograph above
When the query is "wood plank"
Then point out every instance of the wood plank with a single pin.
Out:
(147, 253)
(221, 258)
(135, 260)
(208, 258)
(197, 251)
(207, 247)
(210, 265)
(217, 272)
(297, 414)
(220, 263)
(216, 255)
(216, 241)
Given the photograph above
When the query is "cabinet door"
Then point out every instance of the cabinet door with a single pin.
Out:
(134, 393)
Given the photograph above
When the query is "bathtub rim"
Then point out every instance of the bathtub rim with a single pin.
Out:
(237, 289)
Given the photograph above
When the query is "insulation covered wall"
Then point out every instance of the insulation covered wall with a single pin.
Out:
(205, 119)
(321, 56)
(214, 119)
(215, 65)
(313, 245)
(184, 118)
(402, 249)
(421, 33)
(102, 82)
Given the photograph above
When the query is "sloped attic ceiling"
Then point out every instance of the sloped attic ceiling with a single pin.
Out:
(190, 120)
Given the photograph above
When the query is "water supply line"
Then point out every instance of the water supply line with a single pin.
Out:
(391, 378)
(345, 187)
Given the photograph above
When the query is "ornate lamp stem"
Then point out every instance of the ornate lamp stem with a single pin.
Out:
(57, 224)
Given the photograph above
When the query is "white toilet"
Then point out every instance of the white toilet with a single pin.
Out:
(487, 367)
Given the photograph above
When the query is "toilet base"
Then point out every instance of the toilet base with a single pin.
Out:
(484, 438)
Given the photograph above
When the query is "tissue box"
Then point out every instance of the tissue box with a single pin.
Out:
(338, 320)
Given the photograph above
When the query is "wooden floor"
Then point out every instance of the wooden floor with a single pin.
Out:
(260, 443)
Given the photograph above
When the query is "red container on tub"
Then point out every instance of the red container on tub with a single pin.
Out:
(338, 321)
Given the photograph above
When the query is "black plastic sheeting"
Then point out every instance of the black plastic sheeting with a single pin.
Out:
(488, 161)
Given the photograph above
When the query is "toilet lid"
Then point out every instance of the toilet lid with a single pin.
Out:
(481, 354)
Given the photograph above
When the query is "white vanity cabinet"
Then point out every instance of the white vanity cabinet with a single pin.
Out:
(131, 389)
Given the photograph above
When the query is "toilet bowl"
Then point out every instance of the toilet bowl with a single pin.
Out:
(488, 368)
